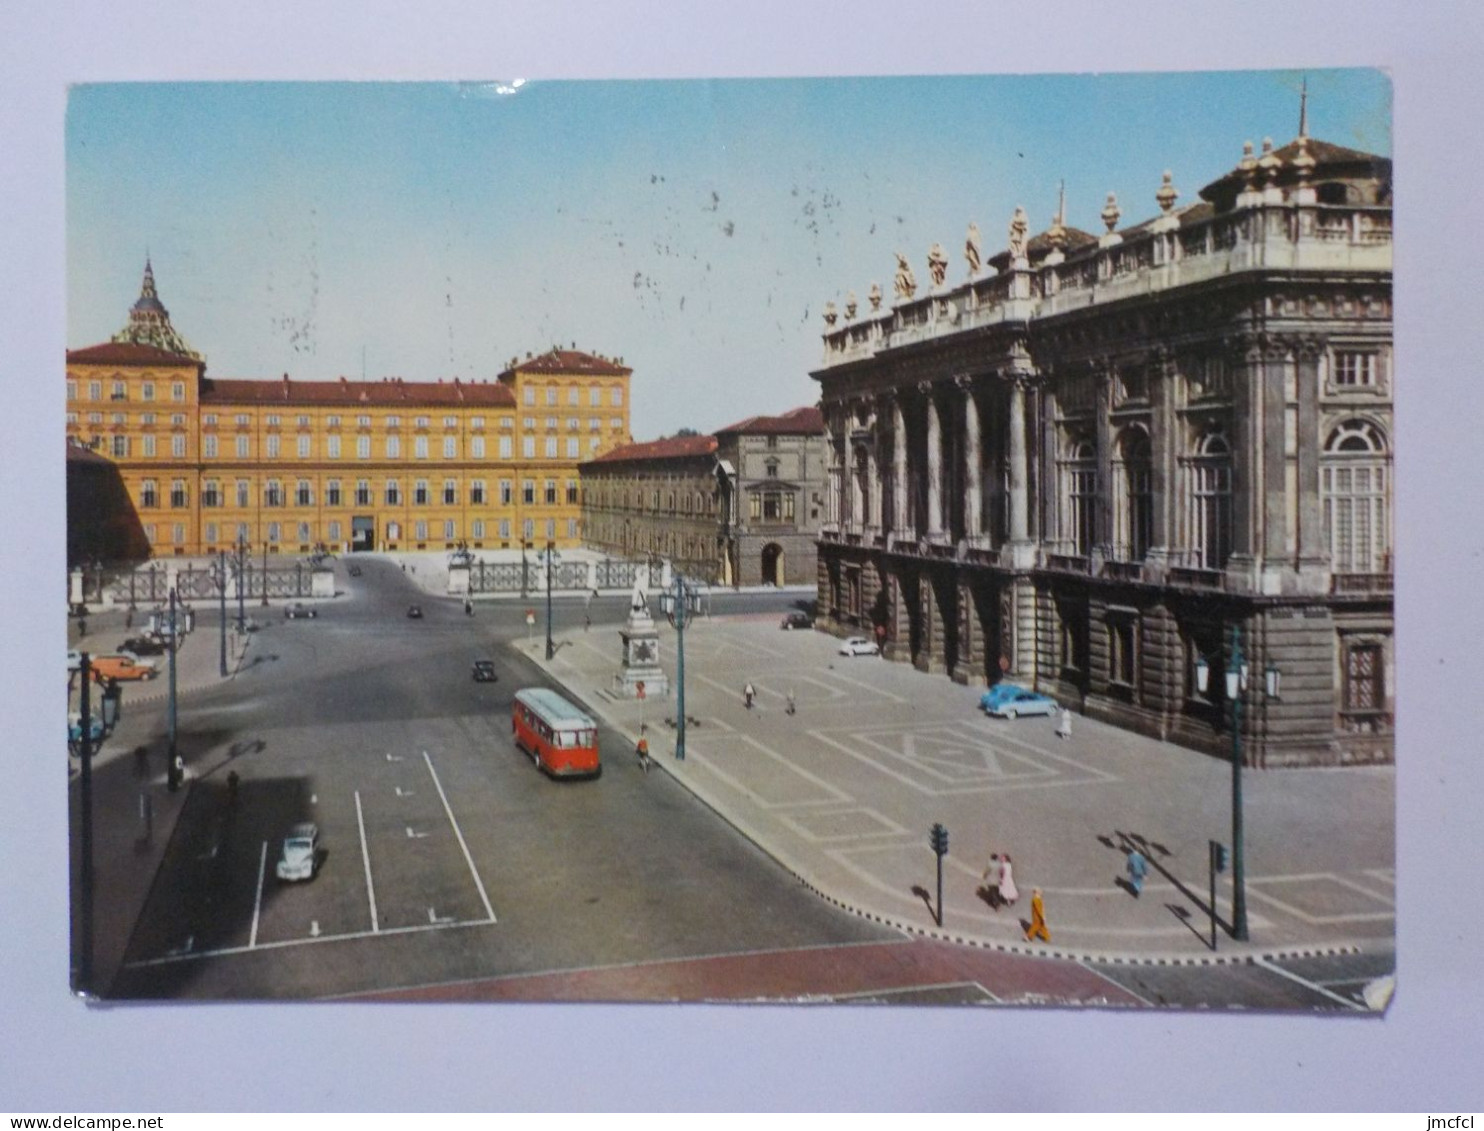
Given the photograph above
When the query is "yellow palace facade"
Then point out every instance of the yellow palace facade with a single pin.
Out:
(208, 463)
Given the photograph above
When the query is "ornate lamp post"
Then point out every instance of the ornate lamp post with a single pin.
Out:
(679, 606)
(1237, 672)
(548, 558)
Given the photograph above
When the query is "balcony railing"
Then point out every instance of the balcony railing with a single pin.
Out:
(1364, 584)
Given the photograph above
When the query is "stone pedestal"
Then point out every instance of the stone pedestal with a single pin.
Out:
(458, 579)
(322, 583)
(641, 659)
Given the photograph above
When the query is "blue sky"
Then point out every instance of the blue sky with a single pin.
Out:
(695, 228)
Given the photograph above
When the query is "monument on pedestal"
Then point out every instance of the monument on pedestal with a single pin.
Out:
(641, 672)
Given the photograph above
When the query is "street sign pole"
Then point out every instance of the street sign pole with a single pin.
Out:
(939, 841)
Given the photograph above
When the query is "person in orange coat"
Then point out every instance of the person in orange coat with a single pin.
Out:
(1038, 918)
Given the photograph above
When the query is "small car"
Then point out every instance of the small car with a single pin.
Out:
(144, 646)
(997, 695)
(1023, 702)
(484, 671)
(415, 612)
(299, 611)
(796, 620)
(123, 667)
(859, 646)
(299, 858)
(74, 660)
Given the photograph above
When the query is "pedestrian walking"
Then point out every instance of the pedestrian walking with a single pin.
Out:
(1138, 868)
(790, 707)
(991, 880)
(748, 695)
(641, 748)
(1064, 724)
(1008, 891)
(1037, 928)
(468, 607)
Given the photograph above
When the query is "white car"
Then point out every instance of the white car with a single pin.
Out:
(74, 660)
(859, 646)
(300, 855)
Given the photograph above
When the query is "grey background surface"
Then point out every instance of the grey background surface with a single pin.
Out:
(57, 1056)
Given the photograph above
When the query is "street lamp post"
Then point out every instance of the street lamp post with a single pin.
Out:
(1237, 672)
(549, 557)
(265, 573)
(221, 583)
(524, 578)
(677, 607)
(173, 772)
(83, 977)
(241, 586)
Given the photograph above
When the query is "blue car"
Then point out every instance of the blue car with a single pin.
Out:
(997, 694)
(1019, 701)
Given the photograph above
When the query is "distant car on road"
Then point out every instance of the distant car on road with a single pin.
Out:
(997, 695)
(123, 667)
(1023, 702)
(415, 612)
(484, 671)
(299, 857)
(796, 620)
(144, 646)
(859, 646)
(74, 660)
(299, 611)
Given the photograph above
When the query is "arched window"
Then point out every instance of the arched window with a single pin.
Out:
(1355, 484)
(1209, 473)
(1079, 475)
(1134, 518)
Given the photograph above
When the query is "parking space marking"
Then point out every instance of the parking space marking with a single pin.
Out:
(187, 955)
(366, 860)
(473, 871)
(1315, 986)
(257, 907)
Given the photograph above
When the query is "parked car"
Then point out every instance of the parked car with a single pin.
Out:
(998, 694)
(415, 612)
(484, 671)
(300, 611)
(144, 646)
(1023, 702)
(859, 646)
(123, 667)
(74, 660)
(796, 620)
(299, 858)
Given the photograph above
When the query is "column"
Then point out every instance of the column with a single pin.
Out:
(935, 465)
(1310, 444)
(1019, 472)
(899, 468)
(873, 476)
(973, 476)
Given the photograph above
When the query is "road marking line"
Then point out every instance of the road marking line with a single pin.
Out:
(257, 906)
(366, 860)
(182, 956)
(1318, 989)
(1111, 981)
(414, 835)
(478, 883)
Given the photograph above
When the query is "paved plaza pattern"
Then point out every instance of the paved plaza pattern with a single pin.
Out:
(844, 792)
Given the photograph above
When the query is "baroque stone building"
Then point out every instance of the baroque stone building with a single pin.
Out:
(1084, 468)
(207, 462)
(741, 507)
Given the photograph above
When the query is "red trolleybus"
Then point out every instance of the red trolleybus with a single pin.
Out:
(562, 740)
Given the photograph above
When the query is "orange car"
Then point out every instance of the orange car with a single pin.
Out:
(122, 667)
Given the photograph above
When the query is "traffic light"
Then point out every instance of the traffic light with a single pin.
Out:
(1218, 857)
(939, 840)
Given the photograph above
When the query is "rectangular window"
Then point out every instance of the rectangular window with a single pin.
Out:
(208, 447)
(363, 422)
(274, 420)
(450, 422)
(476, 492)
(394, 447)
(450, 492)
(617, 398)
(334, 531)
(120, 447)
(244, 446)
(449, 530)
(178, 447)
(571, 491)
(476, 423)
(574, 447)
(302, 421)
(420, 421)
(571, 528)
(505, 447)
(273, 532)
(450, 447)
(177, 392)
(507, 492)
(332, 447)
(420, 493)
(363, 492)
(530, 395)
(148, 443)
(421, 527)
(178, 496)
(120, 392)
(243, 490)
(363, 447)
(528, 447)
(420, 447)
(332, 493)
(303, 495)
(528, 529)
(505, 528)
(1122, 661)
(149, 390)
(304, 447)
(594, 397)
(393, 493)
(273, 494)
(305, 533)
(551, 447)
(551, 492)
(272, 443)
(1355, 370)
(95, 390)
(478, 529)
(550, 529)
(551, 396)
(211, 497)
(211, 533)
(476, 447)
(149, 494)
(528, 491)
(177, 533)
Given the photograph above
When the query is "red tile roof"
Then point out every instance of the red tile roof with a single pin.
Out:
(128, 353)
(676, 447)
(569, 361)
(392, 391)
(805, 421)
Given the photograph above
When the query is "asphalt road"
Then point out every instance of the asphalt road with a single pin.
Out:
(447, 855)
